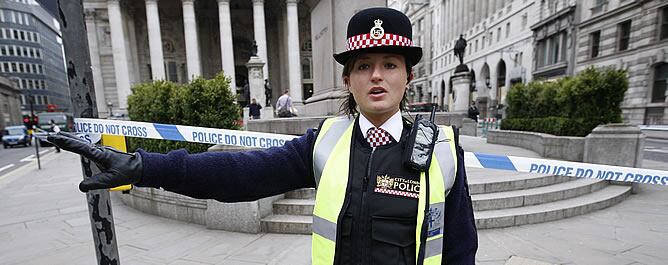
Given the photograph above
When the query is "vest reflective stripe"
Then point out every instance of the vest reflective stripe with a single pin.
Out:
(330, 132)
(444, 161)
(331, 156)
(324, 228)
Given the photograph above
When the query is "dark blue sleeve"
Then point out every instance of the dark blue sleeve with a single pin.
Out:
(461, 236)
(232, 176)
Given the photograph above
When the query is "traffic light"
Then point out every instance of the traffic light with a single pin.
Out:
(26, 121)
(29, 122)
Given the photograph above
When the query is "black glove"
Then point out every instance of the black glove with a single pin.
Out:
(118, 168)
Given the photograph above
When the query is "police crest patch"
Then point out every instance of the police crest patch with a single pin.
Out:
(397, 186)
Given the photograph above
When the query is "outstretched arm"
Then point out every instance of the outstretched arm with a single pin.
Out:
(232, 176)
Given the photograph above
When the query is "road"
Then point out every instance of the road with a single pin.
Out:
(656, 150)
(12, 158)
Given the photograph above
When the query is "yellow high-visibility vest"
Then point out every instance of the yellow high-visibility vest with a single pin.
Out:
(331, 156)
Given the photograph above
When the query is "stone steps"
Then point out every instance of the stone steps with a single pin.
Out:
(287, 224)
(301, 194)
(533, 196)
(294, 206)
(499, 200)
(479, 184)
(556, 210)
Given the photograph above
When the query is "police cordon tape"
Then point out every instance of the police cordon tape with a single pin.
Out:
(92, 127)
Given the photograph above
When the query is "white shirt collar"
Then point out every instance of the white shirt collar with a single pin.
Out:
(394, 125)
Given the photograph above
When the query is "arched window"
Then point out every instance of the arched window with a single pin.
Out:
(660, 82)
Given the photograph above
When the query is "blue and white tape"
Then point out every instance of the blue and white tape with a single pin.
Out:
(566, 168)
(191, 134)
(265, 140)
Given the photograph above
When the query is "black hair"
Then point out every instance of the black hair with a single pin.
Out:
(349, 106)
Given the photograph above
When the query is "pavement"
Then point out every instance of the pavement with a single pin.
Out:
(44, 220)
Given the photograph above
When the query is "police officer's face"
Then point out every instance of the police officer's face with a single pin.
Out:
(378, 82)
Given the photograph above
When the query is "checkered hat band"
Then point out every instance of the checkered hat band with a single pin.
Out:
(377, 137)
(365, 41)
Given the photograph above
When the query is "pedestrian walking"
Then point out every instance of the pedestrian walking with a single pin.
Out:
(284, 106)
(254, 109)
(56, 129)
(373, 206)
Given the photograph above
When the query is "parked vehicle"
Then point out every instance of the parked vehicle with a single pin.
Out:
(16, 135)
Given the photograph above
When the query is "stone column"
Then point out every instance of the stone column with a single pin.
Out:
(452, 24)
(472, 8)
(478, 11)
(466, 17)
(256, 85)
(120, 56)
(226, 44)
(461, 83)
(445, 21)
(485, 9)
(155, 40)
(192, 43)
(91, 31)
(492, 7)
(260, 35)
(294, 69)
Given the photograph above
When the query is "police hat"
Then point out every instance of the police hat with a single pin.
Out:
(380, 29)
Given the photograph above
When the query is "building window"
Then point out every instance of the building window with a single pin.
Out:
(660, 83)
(306, 68)
(507, 30)
(664, 23)
(595, 42)
(624, 34)
(598, 6)
(476, 45)
(498, 34)
(3, 50)
(172, 72)
(482, 45)
(21, 68)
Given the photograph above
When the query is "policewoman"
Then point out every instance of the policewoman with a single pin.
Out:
(372, 206)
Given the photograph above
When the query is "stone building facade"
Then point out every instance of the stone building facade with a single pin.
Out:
(554, 39)
(499, 51)
(631, 35)
(31, 55)
(10, 109)
(139, 41)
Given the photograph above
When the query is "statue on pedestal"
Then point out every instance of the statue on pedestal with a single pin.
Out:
(460, 50)
(253, 49)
